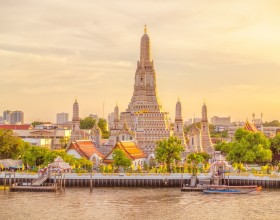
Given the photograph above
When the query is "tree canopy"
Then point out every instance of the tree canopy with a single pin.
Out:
(11, 147)
(194, 159)
(275, 144)
(87, 123)
(34, 123)
(120, 159)
(40, 156)
(102, 124)
(169, 150)
(274, 123)
(247, 147)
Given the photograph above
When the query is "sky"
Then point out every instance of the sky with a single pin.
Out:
(223, 52)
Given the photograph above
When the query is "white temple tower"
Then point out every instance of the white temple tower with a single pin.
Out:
(144, 115)
(178, 124)
(206, 142)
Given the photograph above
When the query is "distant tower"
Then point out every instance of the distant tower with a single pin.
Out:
(205, 134)
(178, 125)
(75, 122)
(116, 116)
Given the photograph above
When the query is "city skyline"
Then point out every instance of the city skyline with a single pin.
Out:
(223, 53)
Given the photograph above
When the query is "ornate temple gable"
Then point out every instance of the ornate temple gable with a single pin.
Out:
(250, 127)
(130, 149)
(194, 129)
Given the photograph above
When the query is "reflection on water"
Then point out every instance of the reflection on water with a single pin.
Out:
(138, 203)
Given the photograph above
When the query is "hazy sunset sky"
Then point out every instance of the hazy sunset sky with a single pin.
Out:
(226, 52)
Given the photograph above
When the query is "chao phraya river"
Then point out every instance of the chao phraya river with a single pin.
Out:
(138, 203)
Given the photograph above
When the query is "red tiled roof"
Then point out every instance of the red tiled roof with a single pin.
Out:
(85, 148)
(17, 127)
(250, 127)
(130, 148)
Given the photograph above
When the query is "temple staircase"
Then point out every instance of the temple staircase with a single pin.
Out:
(39, 181)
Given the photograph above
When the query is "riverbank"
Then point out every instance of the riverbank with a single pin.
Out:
(144, 179)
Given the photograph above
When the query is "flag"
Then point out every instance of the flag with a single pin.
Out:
(79, 167)
(22, 166)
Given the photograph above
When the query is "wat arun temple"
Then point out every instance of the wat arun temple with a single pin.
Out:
(144, 120)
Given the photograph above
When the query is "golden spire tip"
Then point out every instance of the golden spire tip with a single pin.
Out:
(145, 29)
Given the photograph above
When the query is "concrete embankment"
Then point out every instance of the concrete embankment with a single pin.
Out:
(141, 180)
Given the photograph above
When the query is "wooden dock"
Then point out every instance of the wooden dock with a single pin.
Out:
(21, 187)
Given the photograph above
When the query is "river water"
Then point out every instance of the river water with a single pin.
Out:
(138, 203)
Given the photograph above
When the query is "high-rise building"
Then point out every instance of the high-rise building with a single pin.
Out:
(62, 118)
(220, 121)
(13, 117)
(144, 115)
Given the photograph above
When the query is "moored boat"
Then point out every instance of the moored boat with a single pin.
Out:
(231, 189)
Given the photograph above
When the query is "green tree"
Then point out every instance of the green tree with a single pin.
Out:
(248, 147)
(274, 123)
(168, 151)
(223, 147)
(275, 144)
(102, 124)
(120, 159)
(194, 160)
(64, 141)
(34, 123)
(10, 146)
(87, 123)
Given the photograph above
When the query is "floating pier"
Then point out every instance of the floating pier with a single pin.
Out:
(20, 187)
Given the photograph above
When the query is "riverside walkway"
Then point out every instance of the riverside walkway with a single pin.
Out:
(148, 179)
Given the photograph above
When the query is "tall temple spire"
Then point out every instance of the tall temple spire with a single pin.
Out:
(144, 114)
(116, 114)
(145, 48)
(205, 133)
(178, 110)
(204, 113)
(75, 111)
(75, 135)
(178, 124)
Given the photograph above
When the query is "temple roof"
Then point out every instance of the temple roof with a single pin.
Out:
(17, 127)
(126, 130)
(85, 148)
(194, 129)
(250, 127)
(130, 148)
(59, 164)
